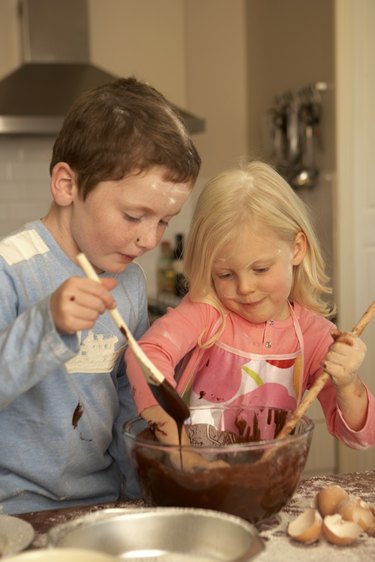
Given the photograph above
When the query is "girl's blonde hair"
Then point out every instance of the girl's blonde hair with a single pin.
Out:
(252, 193)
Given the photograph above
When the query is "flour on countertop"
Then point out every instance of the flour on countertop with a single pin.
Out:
(281, 548)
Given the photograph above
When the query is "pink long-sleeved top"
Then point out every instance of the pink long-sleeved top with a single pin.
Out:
(215, 375)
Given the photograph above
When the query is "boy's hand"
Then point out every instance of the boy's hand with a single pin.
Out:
(165, 430)
(78, 302)
(344, 358)
(194, 462)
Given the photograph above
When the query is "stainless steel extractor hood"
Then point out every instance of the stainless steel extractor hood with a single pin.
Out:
(56, 69)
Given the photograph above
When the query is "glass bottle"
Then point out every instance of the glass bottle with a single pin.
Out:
(166, 276)
(178, 254)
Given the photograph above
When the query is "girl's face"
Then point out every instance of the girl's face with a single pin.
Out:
(121, 220)
(253, 275)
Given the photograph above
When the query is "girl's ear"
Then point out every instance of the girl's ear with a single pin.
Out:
(63, 184)
(300, 247)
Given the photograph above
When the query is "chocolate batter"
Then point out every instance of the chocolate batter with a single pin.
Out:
(248, 486)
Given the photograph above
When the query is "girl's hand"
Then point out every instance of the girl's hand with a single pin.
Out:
(344, 358)
(78, 302)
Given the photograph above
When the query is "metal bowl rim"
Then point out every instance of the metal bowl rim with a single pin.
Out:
(255, 545)
(115, 514)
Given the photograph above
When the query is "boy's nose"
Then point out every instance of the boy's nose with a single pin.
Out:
(148, 238)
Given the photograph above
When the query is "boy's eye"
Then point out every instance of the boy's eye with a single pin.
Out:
(164, 222)
(261, 270)
(131, 218)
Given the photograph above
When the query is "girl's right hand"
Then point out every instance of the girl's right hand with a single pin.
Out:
(344, 358)
(78, 302)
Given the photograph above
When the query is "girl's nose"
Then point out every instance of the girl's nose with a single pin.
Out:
(245, 285)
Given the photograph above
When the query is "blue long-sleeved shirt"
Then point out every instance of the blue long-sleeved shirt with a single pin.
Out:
(63, 398)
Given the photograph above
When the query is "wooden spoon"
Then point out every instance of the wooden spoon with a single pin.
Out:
(319, 383)
(165, 394)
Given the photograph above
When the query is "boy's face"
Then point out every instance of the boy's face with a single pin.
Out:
(121, 220)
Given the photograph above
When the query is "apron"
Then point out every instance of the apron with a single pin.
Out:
(233, 377)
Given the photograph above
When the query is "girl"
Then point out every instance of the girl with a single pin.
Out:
(253, 328)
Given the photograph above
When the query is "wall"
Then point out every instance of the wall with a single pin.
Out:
(290, 45)
(9, 38)
(217, 79)
(24, 178)
(123, 41)
(355, 75)
(144, 38)
(183, 47)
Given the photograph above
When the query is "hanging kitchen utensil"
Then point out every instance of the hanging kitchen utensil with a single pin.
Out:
(165, 394)
(310, 114)
(294, 148)
(280, 124)
(308, 172)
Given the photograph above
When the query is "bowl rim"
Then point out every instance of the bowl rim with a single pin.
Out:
(255, 545)
(234, 447)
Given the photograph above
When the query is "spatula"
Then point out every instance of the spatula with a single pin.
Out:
(165, 394)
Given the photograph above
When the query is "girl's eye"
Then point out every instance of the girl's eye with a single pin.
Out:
(261, 270)
(224, 275)
(164, 223)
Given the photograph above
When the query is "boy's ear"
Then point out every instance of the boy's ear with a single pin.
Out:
(63, 184)
(300, 247)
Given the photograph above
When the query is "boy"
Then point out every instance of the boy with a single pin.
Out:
(122, 166)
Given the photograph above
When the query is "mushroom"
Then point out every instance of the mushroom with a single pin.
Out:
(338, 531)
(306, 527)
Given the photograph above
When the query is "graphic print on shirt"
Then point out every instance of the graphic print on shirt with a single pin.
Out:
(97, 354)
(256, 380)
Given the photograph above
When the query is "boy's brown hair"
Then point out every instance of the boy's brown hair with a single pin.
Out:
(121, 127)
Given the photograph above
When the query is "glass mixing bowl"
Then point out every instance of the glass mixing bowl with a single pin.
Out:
(242, 469)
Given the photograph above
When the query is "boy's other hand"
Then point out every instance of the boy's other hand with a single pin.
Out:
(78, 302)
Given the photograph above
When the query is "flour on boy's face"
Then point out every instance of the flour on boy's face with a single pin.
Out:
(121, 220)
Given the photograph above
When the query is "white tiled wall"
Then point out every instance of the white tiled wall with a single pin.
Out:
(24, 180)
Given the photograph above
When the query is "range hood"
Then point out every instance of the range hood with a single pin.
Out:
(56, 69)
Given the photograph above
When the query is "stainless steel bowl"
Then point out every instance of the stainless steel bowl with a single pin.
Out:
(164, 535)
